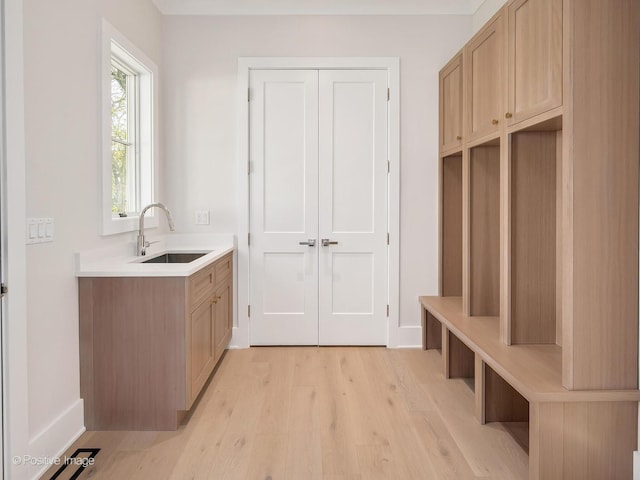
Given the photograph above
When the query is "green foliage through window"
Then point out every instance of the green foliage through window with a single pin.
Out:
(121, 148)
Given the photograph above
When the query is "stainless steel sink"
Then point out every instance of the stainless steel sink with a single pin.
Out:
(175, 258)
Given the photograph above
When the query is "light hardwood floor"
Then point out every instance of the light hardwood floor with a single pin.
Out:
(319, 413)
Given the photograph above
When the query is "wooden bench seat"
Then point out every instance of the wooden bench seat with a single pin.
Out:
(571, 433)
(535, 371)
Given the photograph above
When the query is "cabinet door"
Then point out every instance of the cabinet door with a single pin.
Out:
(451, 104)
(201, 342)
(485, 79)
(535, 58)
(223, 317)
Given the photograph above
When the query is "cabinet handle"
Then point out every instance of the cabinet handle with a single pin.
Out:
(494, 121)
(508, 115)
(215, 299)
(458, 137)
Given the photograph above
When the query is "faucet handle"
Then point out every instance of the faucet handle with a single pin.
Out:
(146, 244)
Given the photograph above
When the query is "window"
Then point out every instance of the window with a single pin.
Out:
(128, 117)
(124, 151)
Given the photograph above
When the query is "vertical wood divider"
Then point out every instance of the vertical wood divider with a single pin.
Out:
(423, 323)
(466, 220)
(567, 196)
(559, 206)
(479, 389)
(440, 221)
(505, 239)
(446, 371)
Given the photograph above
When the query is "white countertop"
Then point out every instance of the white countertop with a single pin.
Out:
(120, 260)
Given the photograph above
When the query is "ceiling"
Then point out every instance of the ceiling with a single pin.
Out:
(318, 7)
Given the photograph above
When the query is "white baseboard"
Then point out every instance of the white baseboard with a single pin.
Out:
(239, 339)
(405, 337)
(636, 465)
(57, 437)
(399, 337)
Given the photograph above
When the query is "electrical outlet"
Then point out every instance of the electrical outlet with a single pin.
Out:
(202, 217)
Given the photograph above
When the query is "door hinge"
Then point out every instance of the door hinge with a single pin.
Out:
(248, 310)
(3, 289)
(388, 94)
(248, 168)
(388, 238)
(248, 239)
(248, 94)
(387, 309)
(388, 166)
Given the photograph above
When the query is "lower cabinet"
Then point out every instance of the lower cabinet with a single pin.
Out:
(201, 353)
(223, 317)
(148, 345)
(210, 330)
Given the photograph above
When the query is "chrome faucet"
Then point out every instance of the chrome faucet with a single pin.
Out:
(141, 248)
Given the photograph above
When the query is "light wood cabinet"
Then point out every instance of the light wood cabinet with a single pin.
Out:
(535, 58)
(484, 80)
(548, 208)
(451, 105)
(148, 345)
(210, 291)
(223, 317)
(201, 346)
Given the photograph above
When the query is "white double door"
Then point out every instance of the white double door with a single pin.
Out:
(318, 219)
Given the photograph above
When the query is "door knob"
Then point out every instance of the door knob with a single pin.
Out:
(310, 243)
(326, 242)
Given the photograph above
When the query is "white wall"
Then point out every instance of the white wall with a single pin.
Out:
(200, 99)
(198, 71)
(61, 87)
(485, 12)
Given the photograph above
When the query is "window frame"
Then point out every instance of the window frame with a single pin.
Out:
(131, 143)
(117, 46)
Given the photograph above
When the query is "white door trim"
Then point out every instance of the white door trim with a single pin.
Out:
(16, 408)
(245, 64)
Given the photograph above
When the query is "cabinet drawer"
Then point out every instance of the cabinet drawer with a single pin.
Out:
(224, 266)
(201, 285)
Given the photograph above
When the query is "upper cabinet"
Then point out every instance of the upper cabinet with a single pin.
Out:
(535, 58)
(484, 79)
(451, 105)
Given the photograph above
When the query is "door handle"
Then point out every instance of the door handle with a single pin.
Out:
(310, 243)
(326, 242)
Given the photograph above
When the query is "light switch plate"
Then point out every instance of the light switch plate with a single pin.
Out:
(202, 217)
(40, 230)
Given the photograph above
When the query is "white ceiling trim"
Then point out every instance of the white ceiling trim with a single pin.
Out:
(318, 7)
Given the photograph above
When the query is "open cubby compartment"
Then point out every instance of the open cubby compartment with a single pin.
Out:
(459, 360)
(503, 403)
(432, 331)
(484, 230)
(535, 166)
(451, 226)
